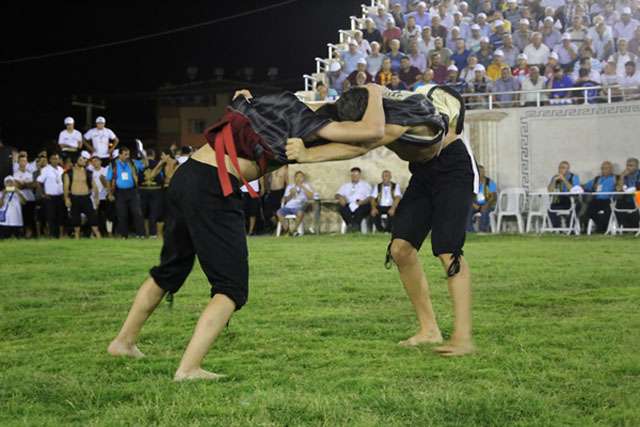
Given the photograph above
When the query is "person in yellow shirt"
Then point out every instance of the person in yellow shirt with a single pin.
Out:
(495, 69)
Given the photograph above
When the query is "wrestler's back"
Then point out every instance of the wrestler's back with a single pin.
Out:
(249, 169)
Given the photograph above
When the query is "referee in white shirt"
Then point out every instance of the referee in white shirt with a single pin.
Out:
(50, 184)
(354, 199)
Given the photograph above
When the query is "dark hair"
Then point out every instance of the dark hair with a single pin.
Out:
(630, 63)
(123, 149)
(20, 156)
(356, 169)
(582, 72)
(151, 152)
(352, 104)
(583, 60)
(168, 152)
(186, 149)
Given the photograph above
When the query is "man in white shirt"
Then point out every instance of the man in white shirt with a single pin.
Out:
(537, 53)
(631, 77)
(97, 140)
(70, 139)
(10, 211)
(106, 209)
(384, 201)
(533, 82)
(626, 27)
(24, 183)
(354, 199)
(50, 185)
(295, 200)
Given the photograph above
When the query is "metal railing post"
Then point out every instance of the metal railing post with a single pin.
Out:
(609, 95)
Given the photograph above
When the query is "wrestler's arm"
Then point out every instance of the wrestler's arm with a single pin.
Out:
(337, 151)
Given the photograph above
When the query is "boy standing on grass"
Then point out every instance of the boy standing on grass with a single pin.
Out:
(205, 217)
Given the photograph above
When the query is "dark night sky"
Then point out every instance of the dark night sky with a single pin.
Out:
(36, 95)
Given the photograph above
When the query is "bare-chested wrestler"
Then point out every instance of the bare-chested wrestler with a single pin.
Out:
(205, 216)
(437, 200)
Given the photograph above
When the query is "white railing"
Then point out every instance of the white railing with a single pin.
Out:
(322, 65)
(310, 82)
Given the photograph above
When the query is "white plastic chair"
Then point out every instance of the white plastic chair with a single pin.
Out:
(511, 203)
(363, 226)
(288, 218)
(538, 205)
(492, 220)
(383, 218)
(615, 227)
(572, 227)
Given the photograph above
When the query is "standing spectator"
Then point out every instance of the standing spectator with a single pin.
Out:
(295, 201)
(351, 79)
(599, 209)
(11, 202)
(40, 209)
(507, 83)
(567, 53)
(23, 180)
(439, 69)
(384, 201)
(251, 206)
(383, 77)
(396, 83)
(275, 184)
(560, 81)
(371, 33)
(381, 18)
(336, 77)
(122, 179)
(354, 199)
(485, 202)
(479, 84)
(459, 57)
(150, 191)
(106, 209)
(50, 185)
(78, 189)
(416, 58)
(468, 73)
(409, 74)
(99, 139)
(563, 182)
(485, 55)
(390, 34)
(185, 153)
(629, 179)
(453, 80)
(374, 61)
(535, 82)
(536, 51)
(522, 36)
(70, 139)
(395, 56)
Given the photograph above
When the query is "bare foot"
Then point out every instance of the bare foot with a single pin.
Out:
(453, 348)
(116, 348)
(422, 338)
(197, 374)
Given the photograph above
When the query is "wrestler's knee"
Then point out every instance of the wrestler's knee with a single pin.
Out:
(402, 252)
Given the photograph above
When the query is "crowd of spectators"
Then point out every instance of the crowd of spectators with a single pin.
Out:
(493, 46)
(89, 185)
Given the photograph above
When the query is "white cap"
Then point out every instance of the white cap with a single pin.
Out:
(626, 10)
(393, 21)
(423, 4)
(362, 61)
(455, 27)
(479, 67)
(566, 36)
(69, 121)
(524, 21)
(484, 39)
(382, 6)
(457, 12)
(498, 52)
(620, 39)
(553, 55)
(100, 119)
(464, 3)
(523, 56)
(85, 154)
(481, 15)
(115, 153)
(353, 42)
(8, 178)
(475, 27)
(548, 18)
(512, 1)
(369, 20)
(452, 68)
(335, 66)
(498, 22)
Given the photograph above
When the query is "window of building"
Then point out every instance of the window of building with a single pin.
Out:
(197, 125)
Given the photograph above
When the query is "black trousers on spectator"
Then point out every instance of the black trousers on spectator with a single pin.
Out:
(82, 205)
(377, 220)
(152, 205)
(106, 211)
(272, 202)
(56, 214)
(601, 219)
(127, 200)
(8, 231)
(353, 219)
(627, 220)
(29, 215)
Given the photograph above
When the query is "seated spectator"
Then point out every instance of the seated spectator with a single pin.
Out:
(351, 57)
(25, 184)
(439, 69)
(513, 13)
(611, 78)
(510, 52)
(251, 206)
(397, 14)
(507, 83)
(626, 26)
(426, 43)
(437, 29)
(622, 56)
(485, 202)
(460, 55)
(410, 32)
(581, 12)
(427, 79)
(463, 26)
(550, 12)
(599, 209)
(484, 54)
(522, 36)
(610, 15)
(585, 64)
(560, 81)
(409, 74)
(444, 52)
(629, 180)
(479, 84)
(634, 42)
(416, 58)
(295, 201)
(354, 199)
(563, 182)
(446, 19)
(364, 48)
(551, 65)
(374, 61)
(495, 40)
(422, 17)
(395, 56)
(467, 16)
(521, 71)
(631, 77)
(485, 28)
(473, 42)
(381, 18)
(494, 71)
(537, 52)
(593, 65)
(600, 41)
(390, 34)
(325, 94)
(468, 72)
(352, 78)
(497, 16)
(336, 77)
(383, 77)
(453, 80)
(535, 82)
(550, 36)
(11, 202)
(567, 53)
(396, 83)
(450, 42)
(577, 32)
(384, 201)
(81, 194)
(371, 33)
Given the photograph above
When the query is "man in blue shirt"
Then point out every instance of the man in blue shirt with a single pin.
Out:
(461, 54)
(563, 182)
(485, 202)
(122, 177)
(599, 208)
(559, 81)
(629, 179)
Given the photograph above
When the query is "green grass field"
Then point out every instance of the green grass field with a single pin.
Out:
(556, 322)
